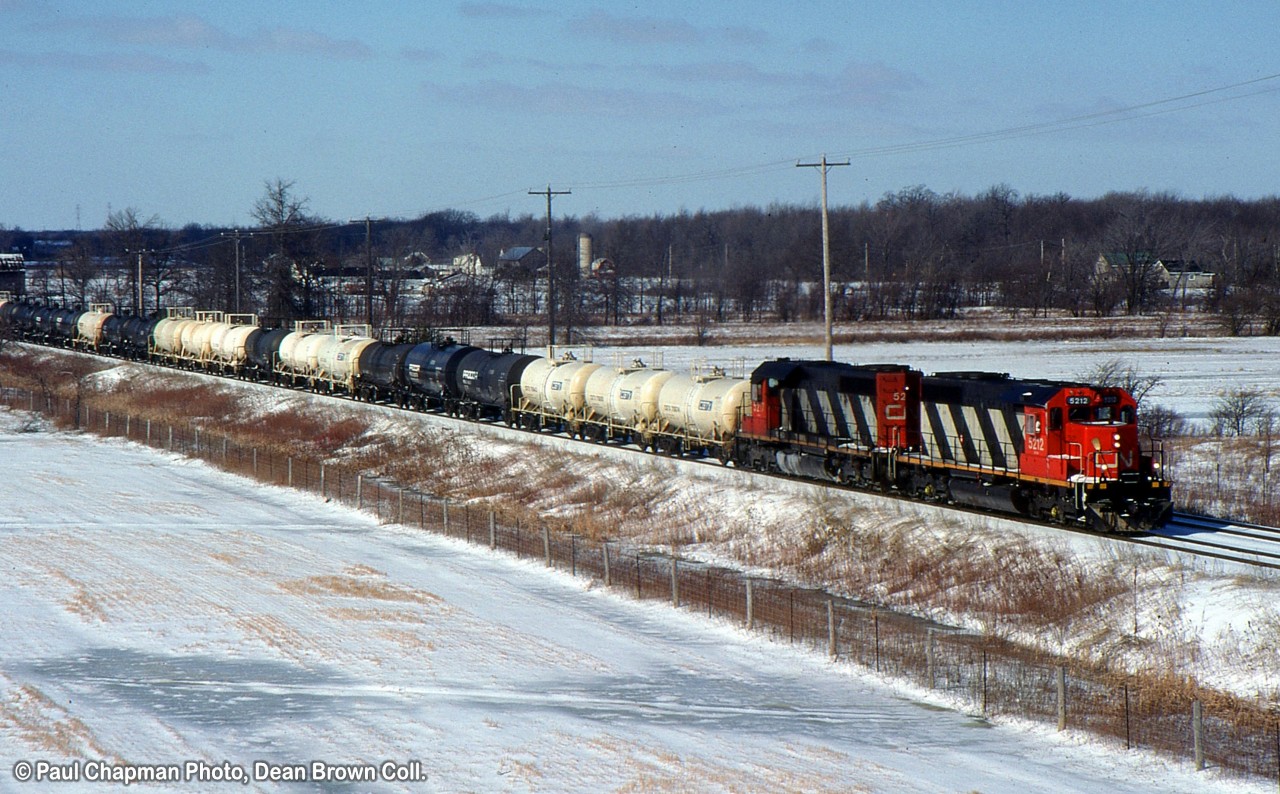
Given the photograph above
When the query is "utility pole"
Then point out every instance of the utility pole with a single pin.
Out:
(368, 270)
(368, 265)
(237, 235)
(551, 270)
(826, 248)
(138, 297)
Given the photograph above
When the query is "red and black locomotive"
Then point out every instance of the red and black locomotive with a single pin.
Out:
(1056, 451)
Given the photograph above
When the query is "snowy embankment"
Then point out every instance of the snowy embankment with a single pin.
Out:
(161, 612)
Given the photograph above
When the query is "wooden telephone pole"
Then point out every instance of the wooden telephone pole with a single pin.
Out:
(826, 249)
(551, 269)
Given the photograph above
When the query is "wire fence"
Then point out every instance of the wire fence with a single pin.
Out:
(988, 676)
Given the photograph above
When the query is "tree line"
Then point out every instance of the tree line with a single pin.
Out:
(913, 254)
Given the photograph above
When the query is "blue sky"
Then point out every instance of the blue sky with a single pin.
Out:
(185, 110)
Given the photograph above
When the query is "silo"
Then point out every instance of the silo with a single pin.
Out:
(584, 254)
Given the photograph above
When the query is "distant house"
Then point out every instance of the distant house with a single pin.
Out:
(1178, 275)
(1185, 274)
(523, 257)
(1117, 265)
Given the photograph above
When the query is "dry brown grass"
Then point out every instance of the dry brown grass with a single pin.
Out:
(44, 724)
(358, 585)
(1226, 477)
(1008, 587)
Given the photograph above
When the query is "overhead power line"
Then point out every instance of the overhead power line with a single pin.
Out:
(1128, 113)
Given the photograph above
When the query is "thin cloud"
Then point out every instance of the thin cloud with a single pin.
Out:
(743, 72)
(497, 11)
(873, 83)
(743, 36)
(659, 31)
(185, 31)
(421, 55)
(643, 31)
(74, 61)
(571, 100)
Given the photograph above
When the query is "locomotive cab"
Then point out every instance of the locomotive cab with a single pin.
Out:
(1075, 432)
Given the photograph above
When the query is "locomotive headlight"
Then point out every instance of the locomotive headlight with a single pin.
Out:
(1116, 437)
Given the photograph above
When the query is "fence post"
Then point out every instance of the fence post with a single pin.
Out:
(791, 619)
(546, 545)
(984, 682)
(930, 653)
(400, 508)
(831, 628)
(255, 461)
(196, 429)
(493, 530)
(675, 584)
(224, 453)
(573, 555)
(289, 470)
(171, 438)
(605, 546)
(1062, 697)
(1197, 732)
(875, 625)
(359, 487)
(444, 510)
(148, 432)
(1128, 742)
(751, 618)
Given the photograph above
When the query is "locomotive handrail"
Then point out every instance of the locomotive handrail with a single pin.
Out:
(1078, 457)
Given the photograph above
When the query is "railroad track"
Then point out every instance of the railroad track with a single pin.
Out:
(1203, 536)
(1218, 538)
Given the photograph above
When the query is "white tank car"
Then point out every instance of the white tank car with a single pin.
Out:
(230, 349)
(599, 387)
(715, 407)
(308, 351)
(704, 407)
(338, 357)
(183, 337)
(633, 400)
(216, 337)
(289, 360)
(176, 332)
(164, 332)
(557, 386)
(89, 327)
(198, 343)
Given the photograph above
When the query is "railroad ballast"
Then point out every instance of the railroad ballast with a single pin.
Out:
(1049, 450)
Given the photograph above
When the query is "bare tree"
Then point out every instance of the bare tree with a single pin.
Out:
(1113, 373)
(288, 278)
(1238, 411)
(1142, 230)
(130, 237)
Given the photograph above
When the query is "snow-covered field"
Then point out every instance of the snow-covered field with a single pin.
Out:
(159, 612)
(1193, 371)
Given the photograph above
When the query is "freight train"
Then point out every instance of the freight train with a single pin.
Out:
(1053, 451)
